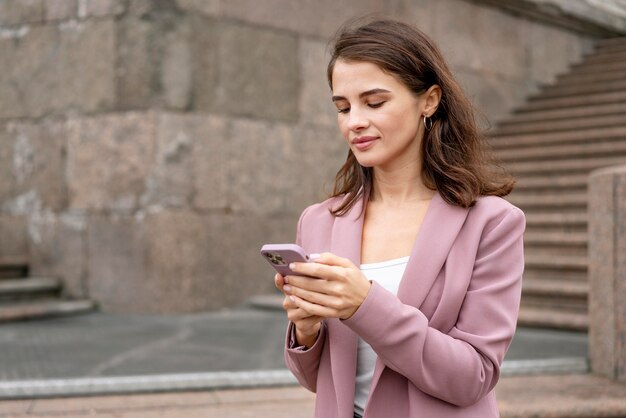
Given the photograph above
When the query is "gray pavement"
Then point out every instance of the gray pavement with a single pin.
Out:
(102, 353)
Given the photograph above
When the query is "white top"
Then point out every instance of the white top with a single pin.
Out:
(388, 274)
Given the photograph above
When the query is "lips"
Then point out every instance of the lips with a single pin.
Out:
(363, 142)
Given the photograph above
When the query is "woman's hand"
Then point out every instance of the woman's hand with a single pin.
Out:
(330, 287)
(307, 325)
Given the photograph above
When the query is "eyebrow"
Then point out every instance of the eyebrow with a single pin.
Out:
(364, 94)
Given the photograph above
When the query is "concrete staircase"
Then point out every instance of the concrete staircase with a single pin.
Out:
(23, 297)
(551, 144)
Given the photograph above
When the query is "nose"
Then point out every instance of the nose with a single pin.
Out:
(357, 120)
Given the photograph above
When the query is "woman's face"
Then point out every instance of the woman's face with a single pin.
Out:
(379, 116)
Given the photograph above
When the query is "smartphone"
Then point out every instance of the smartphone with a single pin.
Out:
(281, 255)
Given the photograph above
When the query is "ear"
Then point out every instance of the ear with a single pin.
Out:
(432, 98)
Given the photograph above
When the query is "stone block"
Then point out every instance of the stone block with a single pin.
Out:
(100, 8)
(32, 155)
(315, 95)
(262, 167)
(321, 151)
(493, 97)
(415, 12)
(18, 12)
(319, 18)
(155, 61)
(460, 31)
(59, 249)
(180, 261)
(245, 71)
(136, 73)
(60, 9)
(170, 182)
(116, 267)
(109, 160)
(13, 236)
(48, 69)
(607, 272)
(211, 157)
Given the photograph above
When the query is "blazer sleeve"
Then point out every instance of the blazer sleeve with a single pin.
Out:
(304, 363)
(462, 365)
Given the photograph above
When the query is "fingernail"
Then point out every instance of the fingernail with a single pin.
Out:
(287, 288)
(293, 298)
(292, 266)
(314, 256)
(285, 279)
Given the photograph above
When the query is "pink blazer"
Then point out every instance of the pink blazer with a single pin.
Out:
(441, 341)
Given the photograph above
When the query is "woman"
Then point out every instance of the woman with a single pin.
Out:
(412, 301)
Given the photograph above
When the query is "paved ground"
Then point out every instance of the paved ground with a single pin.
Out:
(219, 364)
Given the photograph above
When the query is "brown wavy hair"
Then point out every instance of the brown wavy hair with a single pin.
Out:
(455, 158)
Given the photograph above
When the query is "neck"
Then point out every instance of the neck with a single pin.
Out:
(399, 186)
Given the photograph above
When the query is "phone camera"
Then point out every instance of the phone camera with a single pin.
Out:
(275, 259)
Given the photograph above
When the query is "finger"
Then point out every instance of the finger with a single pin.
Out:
(334, 260)
(314, 309)
(314, 284)
(279, 281)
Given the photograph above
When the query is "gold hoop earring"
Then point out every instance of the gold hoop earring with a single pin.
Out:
(428, 123)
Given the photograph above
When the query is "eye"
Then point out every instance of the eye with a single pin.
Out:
(344, 110)
(376, 105)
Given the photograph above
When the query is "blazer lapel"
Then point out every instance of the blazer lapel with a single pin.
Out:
(345, 242)
(438, 232)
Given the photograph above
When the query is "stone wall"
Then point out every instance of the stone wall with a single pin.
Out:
(149, 148)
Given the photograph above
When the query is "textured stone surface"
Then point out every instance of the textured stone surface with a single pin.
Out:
(13, 236)
(180, 261)
(171, 180)
(109, 159)
(60, 9)
(15, 12)
(117, 278)
(32, 166)
(155, 60)
(315, 94)
(311, 17)
(100, 8)
(607, 272)
(543, 57)
(210, 160)
(245, 71)
(50, 68)
(59, 249)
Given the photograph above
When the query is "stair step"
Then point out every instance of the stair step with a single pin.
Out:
(13, 266)
(548, 261)
(551, 318)
(43, 309)
(568, 79)
(575, 101)
(571, 220)
(567, 239)
(568, 200)
(542, 139)
(547, 286)
(560, 125)
(524, 116)
(597, 68)
(560, 152)
(576, 181)
(605, 57)
(580, 165)
(32, 286)
(609, 43)
(561, 91)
